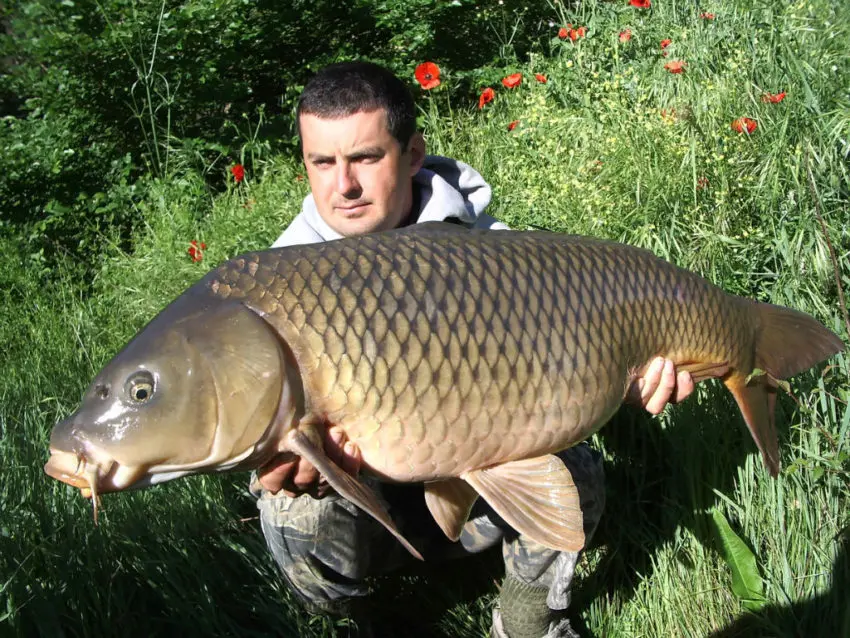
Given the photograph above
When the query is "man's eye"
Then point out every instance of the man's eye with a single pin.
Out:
(322, 163)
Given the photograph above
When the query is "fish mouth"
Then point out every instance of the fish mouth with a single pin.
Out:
(91, 477)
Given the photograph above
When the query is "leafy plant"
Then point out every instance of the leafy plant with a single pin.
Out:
(747, 583)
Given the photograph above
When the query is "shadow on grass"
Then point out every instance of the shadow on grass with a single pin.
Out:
(659, 480)
(662, 479)
(825, 615)
(438, 599)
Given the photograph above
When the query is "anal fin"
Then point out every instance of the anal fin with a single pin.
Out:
(537, 497)
(757, 402)
(347, 486)
(450, 502)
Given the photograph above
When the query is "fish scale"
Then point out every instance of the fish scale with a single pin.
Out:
(532, 334)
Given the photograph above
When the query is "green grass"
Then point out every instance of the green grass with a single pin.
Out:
(188, 557)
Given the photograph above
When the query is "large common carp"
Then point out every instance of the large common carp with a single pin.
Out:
(460, 359)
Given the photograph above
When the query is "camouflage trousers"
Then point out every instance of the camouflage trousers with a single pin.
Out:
(327, 548)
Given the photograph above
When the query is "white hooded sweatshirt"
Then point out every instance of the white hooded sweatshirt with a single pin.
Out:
(445, 189)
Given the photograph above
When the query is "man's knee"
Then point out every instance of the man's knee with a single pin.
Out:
(585, 466)
(318, 545)
(549, 572)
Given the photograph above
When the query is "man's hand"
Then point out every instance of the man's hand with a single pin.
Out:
(660, 385)
(295, 475)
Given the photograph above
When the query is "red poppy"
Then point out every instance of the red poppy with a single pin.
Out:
(664, 45)
(196, 250)
(773, 98)
(641, 4)
(705, 15)
(744, 125)
(702, 183)
(563, 33)
(238, 172)
(676, 66)
(487, 96)
(575, 34)
(626, 35)
(428, 75)
(513, 125)
(541, 78)
(512, 81)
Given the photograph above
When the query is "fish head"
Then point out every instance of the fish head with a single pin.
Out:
(204, 387)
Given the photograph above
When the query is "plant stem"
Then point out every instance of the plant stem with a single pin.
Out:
(835, 268)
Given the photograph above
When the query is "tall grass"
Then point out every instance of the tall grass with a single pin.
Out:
(594, 154)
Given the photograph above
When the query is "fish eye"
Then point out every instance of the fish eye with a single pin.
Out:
(140, 387)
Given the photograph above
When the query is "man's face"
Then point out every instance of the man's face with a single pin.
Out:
(359, 174)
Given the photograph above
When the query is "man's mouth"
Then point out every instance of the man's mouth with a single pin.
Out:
(350, 210)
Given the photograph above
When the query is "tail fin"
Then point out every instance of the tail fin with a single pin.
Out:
(787, 342)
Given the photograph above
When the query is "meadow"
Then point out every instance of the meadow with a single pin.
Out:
(715, 133)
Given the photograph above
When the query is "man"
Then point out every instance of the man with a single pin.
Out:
(368, 172)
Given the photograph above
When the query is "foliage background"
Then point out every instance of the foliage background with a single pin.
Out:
(96, 95)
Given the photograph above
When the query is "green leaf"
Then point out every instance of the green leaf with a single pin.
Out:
(747, 583)
(758, 372)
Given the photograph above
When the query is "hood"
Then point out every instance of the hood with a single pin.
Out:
(447, 189)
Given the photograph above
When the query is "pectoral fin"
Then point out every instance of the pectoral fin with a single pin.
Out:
(449, 502)
(537, 497)
(345, 484)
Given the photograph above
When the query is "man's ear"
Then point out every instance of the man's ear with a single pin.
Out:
(416, 146)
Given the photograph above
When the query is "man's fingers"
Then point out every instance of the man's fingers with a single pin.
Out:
(660, 385)
(274, 476)
(684, 386)
(306, 477)
(334, 445)
(655, 400)
(648, 384)
(351, 459)
(342, 452)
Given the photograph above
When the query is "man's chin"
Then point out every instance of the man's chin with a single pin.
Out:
(357, 212)
(348, 226)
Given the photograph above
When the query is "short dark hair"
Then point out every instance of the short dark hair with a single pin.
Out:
(346, 88)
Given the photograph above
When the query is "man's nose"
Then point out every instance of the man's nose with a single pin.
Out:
(346, 181)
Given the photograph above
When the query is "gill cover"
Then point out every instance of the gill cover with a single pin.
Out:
(195, 391)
